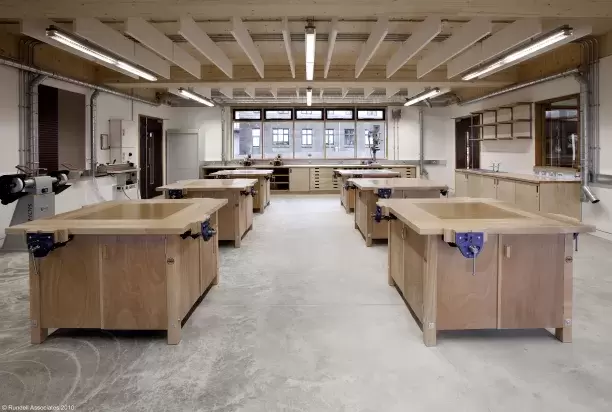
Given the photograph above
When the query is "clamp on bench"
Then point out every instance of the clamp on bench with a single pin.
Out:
(251, 192)
(223, 177)
(41, 244)
(470, 245)
(349, 186)
(379, 217)
(207, 231)
(384, 193)
(444, 192)
(175, 194)
(188, 233)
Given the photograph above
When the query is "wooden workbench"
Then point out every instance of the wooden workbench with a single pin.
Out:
(347, 192)
(236, 218)
(523, 270)
(261, 199)
(125, 265)
(368, 191)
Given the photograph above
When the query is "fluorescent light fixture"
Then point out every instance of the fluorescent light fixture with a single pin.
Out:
(83, 47)
(427, 94)
(549, 40)
(309, 96)
(133, 69)
(193, 96)
(311, 38)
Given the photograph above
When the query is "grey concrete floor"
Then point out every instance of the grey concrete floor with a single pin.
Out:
(303, 320)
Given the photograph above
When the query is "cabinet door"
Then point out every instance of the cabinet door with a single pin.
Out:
(299, 179)
(488, 188)
(527, 197)
(474, 186)
(506, 191)
(461, 185)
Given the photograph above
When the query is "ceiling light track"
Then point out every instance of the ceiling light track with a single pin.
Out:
(96, 52)
(311, 39)
(195, 97)
(524, 51)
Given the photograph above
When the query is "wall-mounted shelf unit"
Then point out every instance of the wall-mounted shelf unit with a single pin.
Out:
(508, 122)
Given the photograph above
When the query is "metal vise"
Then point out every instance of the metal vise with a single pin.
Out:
(41, 244)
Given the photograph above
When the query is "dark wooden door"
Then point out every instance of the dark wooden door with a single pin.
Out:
(467, 150)
(151, 159)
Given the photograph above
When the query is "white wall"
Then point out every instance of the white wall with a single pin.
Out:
(83, 192)
(600, 214)
(207, 121)
(516, 155)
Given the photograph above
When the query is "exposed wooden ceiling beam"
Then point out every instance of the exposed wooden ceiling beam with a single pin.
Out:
(331, 43)
(500, 42)
(424, 33)
(203, 91)
(242, 36)
(227, 92)
(250, 91)
(190, 30)
(463, 38)
(367, 91)
(392, 91)
(288, 49)
(115, 42)
(371, 45)
(157, 41)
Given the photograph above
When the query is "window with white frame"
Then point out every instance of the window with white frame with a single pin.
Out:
(256, 137)
(306, 137)
(369, 139)
(329, 137)
(349, 137)
(280, 136)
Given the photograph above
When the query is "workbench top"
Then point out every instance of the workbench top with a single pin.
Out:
(435, 216)
(199, 185)
(397, 183)
(522, 177)
(367, 172)
(244, 172)
(128, 217)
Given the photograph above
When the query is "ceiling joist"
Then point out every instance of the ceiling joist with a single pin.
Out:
(424, 33)
(250, 91)
(331, 43)
(376, 37)
(227, 92)
(500, 42)
(391, 91)
(242, 36)
(463, 38)
(203, 91)
(190, 30)
(367, 92)
(288, 49)
(115, 42)
(157, 41)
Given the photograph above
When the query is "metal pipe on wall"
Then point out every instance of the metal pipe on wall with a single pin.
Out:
(223, 136)
(585, 169)
(32, 158)
(93, 120)
(519, 86)
(422, 172)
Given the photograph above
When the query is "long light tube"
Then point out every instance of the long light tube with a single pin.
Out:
(68, 40)
(193, 96)
(519, 54)
(311, 38)
(309, 96)
(424, 95)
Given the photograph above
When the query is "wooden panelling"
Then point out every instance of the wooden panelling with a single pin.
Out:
(396, 254)
(555, 61)
(506, 191)
(475, 186)
(532, 281)
(527, 197)
(430, 291)
(488, 187)
(299, 179)
(467, 301)
(70, 287)
(414, 270)
(133, 271)
(189, 273)
(561, 198)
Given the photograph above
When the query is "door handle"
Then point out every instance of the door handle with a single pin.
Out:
(507, 251)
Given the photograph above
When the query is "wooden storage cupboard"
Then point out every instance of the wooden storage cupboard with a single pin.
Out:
(261, 197)
(523, 272)
(137, 265)
(299, 179)
(528, 192)
(236, 218)
(369, 191)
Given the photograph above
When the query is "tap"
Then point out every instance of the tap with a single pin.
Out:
(495, 166)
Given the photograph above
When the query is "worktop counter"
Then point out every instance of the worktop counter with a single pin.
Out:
(396, 184)
(334, 166)
(367, 173)
(133, 217)
(210, 185)
(244, 172)
(521, 177)
(435, 216)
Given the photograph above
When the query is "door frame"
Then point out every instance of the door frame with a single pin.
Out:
(142, 164)
(180, 131)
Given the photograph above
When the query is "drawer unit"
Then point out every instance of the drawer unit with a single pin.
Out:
(406, 172)
(322, 178)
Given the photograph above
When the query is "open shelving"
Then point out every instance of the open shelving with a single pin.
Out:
(508, 122)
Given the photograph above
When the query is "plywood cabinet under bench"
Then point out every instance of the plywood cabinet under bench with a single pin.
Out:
(528, 192)
(133, 265)
(236, 218)
(465, 263)
(369, 191)
(347, 191)
(261, 197)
